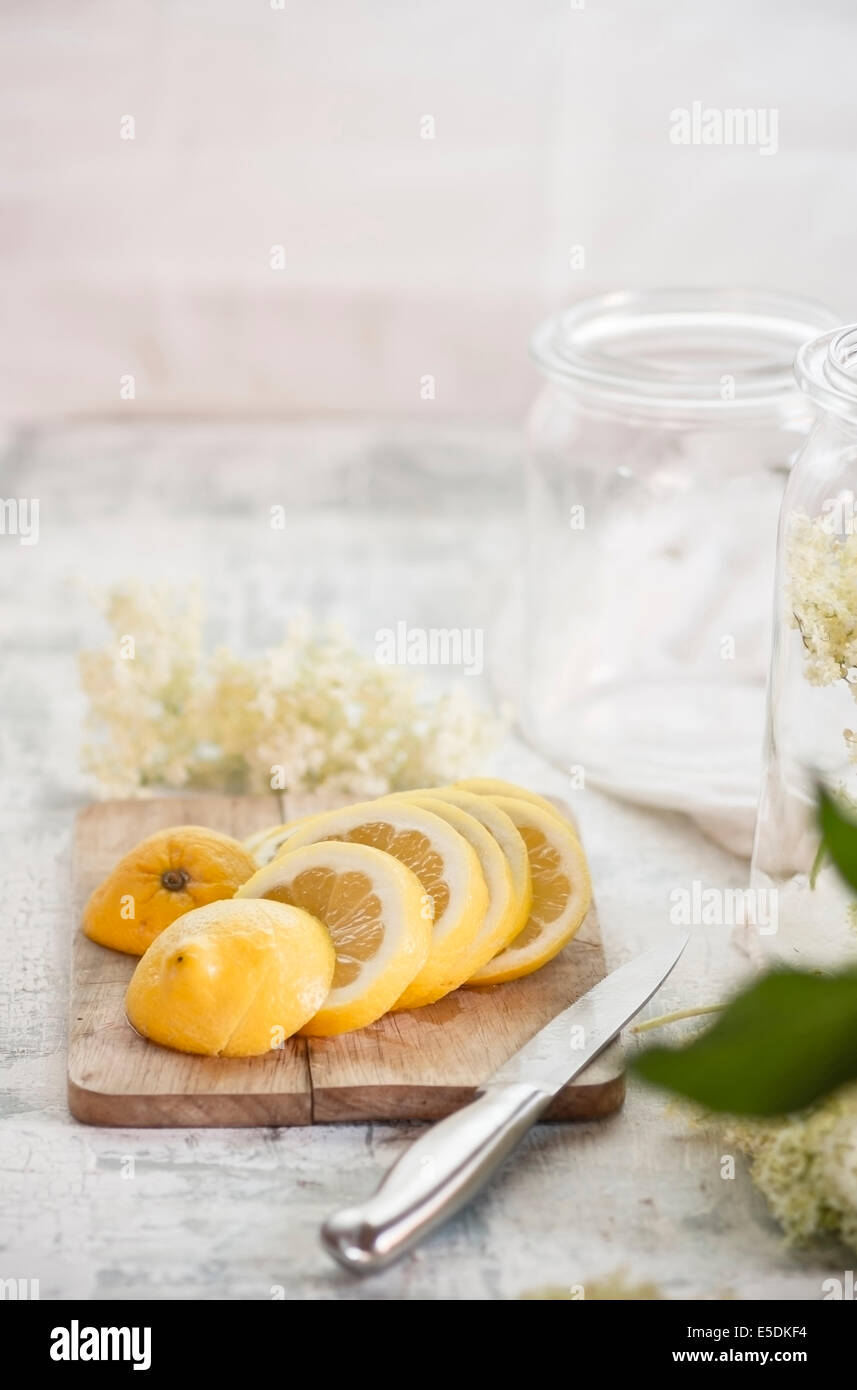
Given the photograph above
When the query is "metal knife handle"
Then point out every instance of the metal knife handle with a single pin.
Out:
(435, 1176)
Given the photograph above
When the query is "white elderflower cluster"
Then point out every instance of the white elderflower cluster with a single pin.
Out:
(806, 1168)
(822, 596)
(312, 714)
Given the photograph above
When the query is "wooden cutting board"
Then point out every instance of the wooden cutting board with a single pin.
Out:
(416, 1065)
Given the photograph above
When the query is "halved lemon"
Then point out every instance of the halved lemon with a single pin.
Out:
(231, 979)
(446, 866)
(508, 907)
(375, 910)
(495, 786)
(561, 892)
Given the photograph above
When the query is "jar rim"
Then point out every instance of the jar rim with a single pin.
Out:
(826, 369)
(690, 352)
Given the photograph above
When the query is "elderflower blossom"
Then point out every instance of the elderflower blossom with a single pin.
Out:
(312, 714)
(822, 595)
(806, 1168)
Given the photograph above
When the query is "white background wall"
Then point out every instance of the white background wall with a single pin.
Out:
(403, 256)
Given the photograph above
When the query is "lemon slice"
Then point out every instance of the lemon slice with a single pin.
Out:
(561, 892)
(509, 905)
(507, 835)
(266, 844)
(375, 910)
(251, 841)
(446, 866)
(495, 786)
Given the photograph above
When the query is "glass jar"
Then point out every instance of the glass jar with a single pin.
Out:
(658, 452)
(812, 692)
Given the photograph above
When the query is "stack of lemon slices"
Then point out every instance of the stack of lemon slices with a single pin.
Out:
(497, 879)
(353, 913)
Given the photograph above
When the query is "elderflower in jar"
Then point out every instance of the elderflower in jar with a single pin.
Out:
(812, 695)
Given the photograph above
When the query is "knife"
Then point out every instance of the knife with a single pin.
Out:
(449, 1163)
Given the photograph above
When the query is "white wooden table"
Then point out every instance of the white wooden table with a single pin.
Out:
(406, 523)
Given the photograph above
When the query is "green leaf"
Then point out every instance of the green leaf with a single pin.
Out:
(839, 836)
(778, 1046)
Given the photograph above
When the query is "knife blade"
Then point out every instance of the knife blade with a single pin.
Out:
(448, 1164)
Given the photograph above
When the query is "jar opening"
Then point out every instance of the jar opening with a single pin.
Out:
(826, 369)
(690, 352)
(843, 351)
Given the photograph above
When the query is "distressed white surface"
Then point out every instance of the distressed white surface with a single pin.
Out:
(214, 1214)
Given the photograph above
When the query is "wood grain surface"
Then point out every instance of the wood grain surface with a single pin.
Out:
(420, 1064)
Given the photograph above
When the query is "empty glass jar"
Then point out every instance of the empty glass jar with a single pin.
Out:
(659, 446)
(812, 697)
